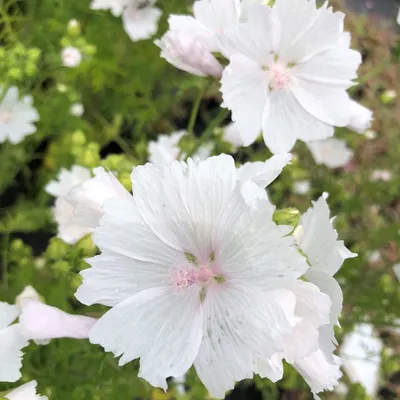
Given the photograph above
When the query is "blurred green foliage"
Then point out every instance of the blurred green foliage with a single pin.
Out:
(130, 95)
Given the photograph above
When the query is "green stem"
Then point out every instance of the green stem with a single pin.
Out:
(195, 111)
(373, 72)
(125, 147)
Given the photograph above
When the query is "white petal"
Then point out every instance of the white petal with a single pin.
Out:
(331, 152)
(165, 149)
(25, 392)
(361, 118)
(244, 88)
(269, 368)
(285, 120)
(11, 343)
(66, 180)
(237, 324)
(264, 173)
(232, 135)
(306, 30)
(318, 372)
(318, 239)
(39, 321)
(142, 23)
(8, 314)
(160, 327)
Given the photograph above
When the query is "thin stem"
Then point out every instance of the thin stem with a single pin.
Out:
(195, 110)
(375, 71)
(125, 147)
(6, 243)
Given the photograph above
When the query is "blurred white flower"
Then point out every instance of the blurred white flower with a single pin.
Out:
(41, 322)
(16, 116)
(77, 110)
(317, 238)
(115, 6)
(25, 392)
(301, 187)
(88, 198)
(396, 270)
(374, 257)
(63, 212)
(71, 57)
(232, 135)
(361, 355)
(361, 118)
(11, 343)
(140, 19)
(202, 153)
(288, 89)
(165, 149)
(190, 251)
(381, 175)
(398, 17)
(370, 134)
(331, 152)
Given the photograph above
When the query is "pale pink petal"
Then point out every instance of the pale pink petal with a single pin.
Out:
(142, 23)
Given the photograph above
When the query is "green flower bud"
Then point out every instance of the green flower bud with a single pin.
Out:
(56, 249)
(15, 73)
(287, 216)
(78, 138)
(388, 96)
(74, 28)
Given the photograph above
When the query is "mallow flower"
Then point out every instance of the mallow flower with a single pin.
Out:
(17, 116)
(25, 392)
(11, 342)
(332, 152)
(192, 266)
(290, 67)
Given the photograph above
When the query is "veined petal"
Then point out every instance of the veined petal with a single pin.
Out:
(8, 314)
(285, 120)
(25, 392)
(244, 88)
(140, 322)
(11, 343)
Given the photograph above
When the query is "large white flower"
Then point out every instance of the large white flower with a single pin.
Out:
(25, 392)
(190, 41)
(331, 152)
(290, 66)
(11, 343)
(16, 116)
(190, 268)
(317, 238)
(115, 6)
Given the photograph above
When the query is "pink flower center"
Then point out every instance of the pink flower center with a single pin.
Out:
(279, 77)
(5, 116)
(182, 278)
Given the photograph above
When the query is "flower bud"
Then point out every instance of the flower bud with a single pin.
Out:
(74, 27)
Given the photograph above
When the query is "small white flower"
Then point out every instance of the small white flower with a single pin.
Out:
(11, 343)
(77, 110)
(140, 19)
(370, 134)
(361, 118)
(115, 6)
(390, 94)
(232, 135)
(381, 175)
(361, 355)
(398, 17)
(16, 116)
(41, 322)
(374, 257)
(188, 250)
(396, 270)
(71, 57)
(287, 81)
(63, 212)
(331, 152)
(165, 149)
(25, 392)
(301, 187)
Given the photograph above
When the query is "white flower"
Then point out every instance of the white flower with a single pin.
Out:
(360, 119)
(77, 110)
(370, 134)
(11, 343)
(374, 257)
(331, 152)
(381, 175)
(191, 270)
(301, 187)
(115, 6)
(398, 17)
(317, 238)
(41, 322)
(16, 116)
(28, 294)
(232, 135)
(165, 149)
(396, 270)
(264, 173)
(140, 19)
(288, 74)
(361, 355)
(190, 41)
(88, 198)
(25, 392)
(71, 57)
(63, 211)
